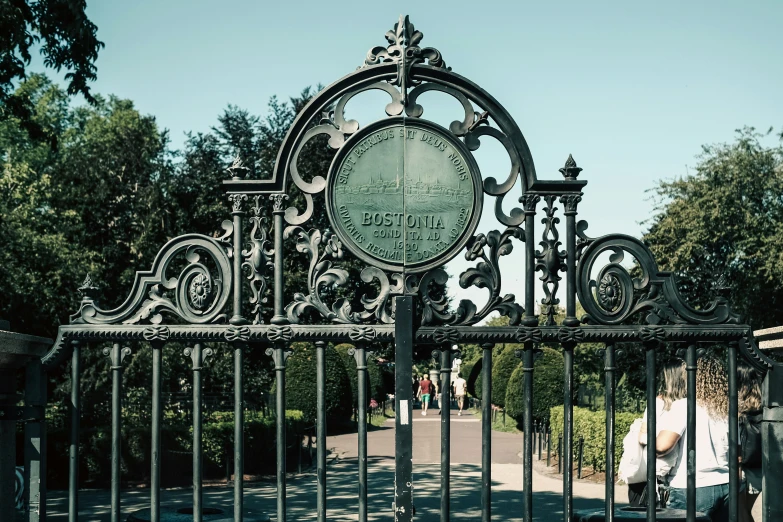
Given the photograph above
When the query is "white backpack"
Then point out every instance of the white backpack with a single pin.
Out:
(633, 464)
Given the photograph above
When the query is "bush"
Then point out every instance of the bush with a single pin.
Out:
(300, 387)
(375, 386)
(591, 425)
(466, 370)
(547, 387)
(502, 368)
(260, 441)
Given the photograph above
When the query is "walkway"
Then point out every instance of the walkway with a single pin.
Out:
(260, 497)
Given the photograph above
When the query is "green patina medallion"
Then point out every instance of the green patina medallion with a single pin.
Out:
(404, 195)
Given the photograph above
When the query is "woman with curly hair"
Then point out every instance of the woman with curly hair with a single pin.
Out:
(749, 387)
(712, 442)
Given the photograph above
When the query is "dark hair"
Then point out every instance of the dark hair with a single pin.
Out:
(748, 388)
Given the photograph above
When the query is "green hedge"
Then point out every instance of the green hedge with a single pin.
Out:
(591, 425)
(300, 385)
(502, 368)
(176, 446)
(260, 438)
(547, 387)
(375, 387)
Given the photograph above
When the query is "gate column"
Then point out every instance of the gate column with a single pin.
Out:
(772, 445)
(403, 423)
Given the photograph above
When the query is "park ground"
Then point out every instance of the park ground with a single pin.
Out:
(342, 480)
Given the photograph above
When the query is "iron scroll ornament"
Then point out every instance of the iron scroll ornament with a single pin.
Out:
(197, 294)
(614, 296)
(456, 174)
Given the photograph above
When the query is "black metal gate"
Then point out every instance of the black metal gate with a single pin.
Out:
(219, 294)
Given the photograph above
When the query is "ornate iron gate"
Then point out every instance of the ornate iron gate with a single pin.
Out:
(404, 195)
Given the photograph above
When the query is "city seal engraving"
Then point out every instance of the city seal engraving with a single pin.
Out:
(404, 195)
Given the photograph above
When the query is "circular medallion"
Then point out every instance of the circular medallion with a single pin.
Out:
(404, 194)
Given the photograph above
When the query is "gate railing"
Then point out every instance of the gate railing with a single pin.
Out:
(206, 301)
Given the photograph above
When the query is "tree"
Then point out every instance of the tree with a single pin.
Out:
(68, 40)
(547, 387)
(502, 368)
(300, 386)
(726, 219)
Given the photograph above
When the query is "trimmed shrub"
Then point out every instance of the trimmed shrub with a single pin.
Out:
(547, 387)
(466, 370)
(591, 425)
(300, 385)
(502, 368)
(375, 385)
(260, 440)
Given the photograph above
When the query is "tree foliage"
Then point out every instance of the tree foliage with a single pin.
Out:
(547, 387)
(726, 219)
(300, 385)
(67, 40)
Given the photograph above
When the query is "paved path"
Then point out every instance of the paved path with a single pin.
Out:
(260, 497)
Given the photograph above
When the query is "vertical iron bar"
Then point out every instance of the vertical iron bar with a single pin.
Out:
(279, 352)
(403, 433)
(548, 447)
(486, 433)
(157, 414)
(279, 304)
(320, 437)
(690, 494)
(609, 368)
(771, 437)
(652, 485)
(568, 432)
(527, 422)
(579, 456)
(570, 202)
(35, 442)
(236, 214)
(560, 454)
(540, 435)
(445, 433)
(734, 481)
(73, 451)
(361, 369)
(198, 468)
(116, 429)
(239, 430)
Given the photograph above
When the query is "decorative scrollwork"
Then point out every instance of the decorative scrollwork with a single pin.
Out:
(487, 275)
(652, 334)
(116, 363)
(570, 335)
(528, 335)
(445, 336)
(191, 353)
(280, 333)
(258, 260)
(236, 200)
(382, 305)
(157, 333)
(550, 261)
(404, 50)
(363, 333)
(237, 334)
(320, 274)
(614, 296)
(197, 295)
(334, 125)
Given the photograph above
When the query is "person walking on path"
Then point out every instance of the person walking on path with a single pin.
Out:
(460, 387)
(425, 392)
(750, 438)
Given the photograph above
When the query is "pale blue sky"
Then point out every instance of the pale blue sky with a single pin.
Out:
(631, 89)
